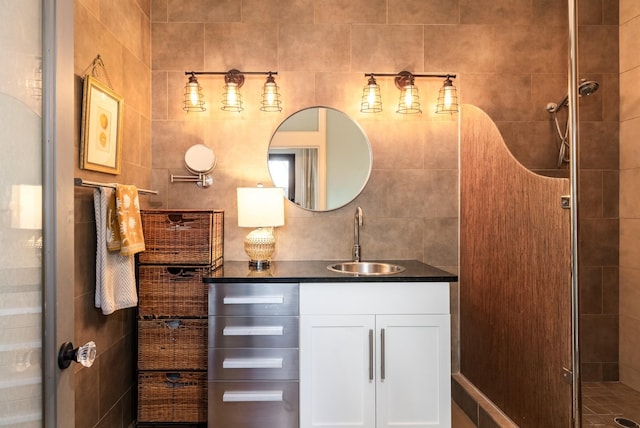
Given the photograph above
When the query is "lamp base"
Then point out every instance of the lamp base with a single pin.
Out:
(259, 246)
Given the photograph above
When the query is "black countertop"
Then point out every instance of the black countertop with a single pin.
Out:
(316, 271)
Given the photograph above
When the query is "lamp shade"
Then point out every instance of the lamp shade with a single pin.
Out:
(260, 207)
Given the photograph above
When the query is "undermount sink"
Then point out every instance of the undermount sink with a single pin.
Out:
(366, 268)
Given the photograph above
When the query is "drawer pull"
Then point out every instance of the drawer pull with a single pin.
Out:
(276, 330)
(252, 363)
(253, 300)
(240, 396)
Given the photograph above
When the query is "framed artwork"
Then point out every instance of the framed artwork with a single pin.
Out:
(101, 136)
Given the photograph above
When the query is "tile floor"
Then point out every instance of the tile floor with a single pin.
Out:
(603, 401)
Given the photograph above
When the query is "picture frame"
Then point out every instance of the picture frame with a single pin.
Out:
(101, 136)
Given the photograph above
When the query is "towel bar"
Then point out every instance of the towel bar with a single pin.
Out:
(84, 183)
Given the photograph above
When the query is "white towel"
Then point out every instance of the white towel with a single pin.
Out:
(115, 273)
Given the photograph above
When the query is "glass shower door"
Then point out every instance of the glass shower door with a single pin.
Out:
(21, 275)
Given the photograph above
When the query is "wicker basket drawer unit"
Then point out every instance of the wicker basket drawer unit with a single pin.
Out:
(172, 397)
(183, 237)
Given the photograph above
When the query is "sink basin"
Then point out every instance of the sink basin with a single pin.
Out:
(366, 268)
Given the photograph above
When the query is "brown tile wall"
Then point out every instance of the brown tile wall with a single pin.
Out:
(510, 57)
(629, 182)
(121, 33)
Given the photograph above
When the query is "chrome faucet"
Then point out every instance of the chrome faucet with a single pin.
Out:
(357, 222)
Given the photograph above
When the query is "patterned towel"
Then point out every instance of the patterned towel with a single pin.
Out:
(115, 273)
(128, 213)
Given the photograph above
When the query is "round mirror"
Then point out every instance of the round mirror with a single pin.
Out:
(321, 158)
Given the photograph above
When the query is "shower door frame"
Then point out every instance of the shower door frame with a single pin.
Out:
(574, 180)
(58, 210)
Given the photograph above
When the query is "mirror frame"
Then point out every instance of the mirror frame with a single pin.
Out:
(357, 128)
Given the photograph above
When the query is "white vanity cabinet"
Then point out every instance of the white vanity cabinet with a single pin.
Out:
(375, 355)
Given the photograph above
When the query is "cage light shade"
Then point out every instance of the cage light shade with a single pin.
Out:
(270, 96)
(232, 99)
(371, 99)
(193, 98)
(447, 98)
(409, 100)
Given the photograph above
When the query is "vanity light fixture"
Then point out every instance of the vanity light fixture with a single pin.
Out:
(261, 208)
(193, 98)
(409, 102)
(270, 95)
(447, 98)
(232, 98)
(371, 100)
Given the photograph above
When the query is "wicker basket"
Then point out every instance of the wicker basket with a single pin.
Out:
(172, 291)
(172, 397)
(183, 237)
(172, 344)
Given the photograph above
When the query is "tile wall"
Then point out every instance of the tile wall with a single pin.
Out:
(629, 205)
(510, 57)
(120, 33)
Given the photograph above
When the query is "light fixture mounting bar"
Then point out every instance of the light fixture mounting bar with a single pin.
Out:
(444, 76)
(223, 73)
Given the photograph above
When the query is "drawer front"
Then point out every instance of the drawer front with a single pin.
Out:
(172, 397)
(172, 291)
(253, 364)
(172, 344)
(182, 237)
(244, 299)
(253, 332)
(253, 404)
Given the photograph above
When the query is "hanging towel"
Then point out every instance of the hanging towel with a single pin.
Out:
(115, 273)
(128, 213)
(114, 241)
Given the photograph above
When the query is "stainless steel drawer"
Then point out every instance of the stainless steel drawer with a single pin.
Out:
(253, 332)
(253, 404)
(253, 364)
(243, 299)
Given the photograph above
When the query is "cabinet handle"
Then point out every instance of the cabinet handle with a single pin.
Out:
(276, 330)
(370, 354)
(253, 300)
(252, 363)
(382, 355)
(244, 396)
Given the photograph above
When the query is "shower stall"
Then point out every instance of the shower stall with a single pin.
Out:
(605, 271)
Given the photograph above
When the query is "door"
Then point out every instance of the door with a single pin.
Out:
(36, 208)
(414, 369)
(337, 376)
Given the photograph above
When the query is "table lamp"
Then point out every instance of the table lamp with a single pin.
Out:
(262, 208)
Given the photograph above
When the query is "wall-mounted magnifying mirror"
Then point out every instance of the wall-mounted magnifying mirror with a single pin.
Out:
(321, 158)
(199, 160)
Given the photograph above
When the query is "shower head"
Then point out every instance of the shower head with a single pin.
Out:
(588, 87)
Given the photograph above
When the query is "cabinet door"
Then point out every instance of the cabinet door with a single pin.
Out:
(413, 371)
(337, 371)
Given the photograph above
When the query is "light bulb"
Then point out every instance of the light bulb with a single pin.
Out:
(193, 93)
(270, 91)
(448, 92)
(408, 96)
(371, 97)
(232, 94)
